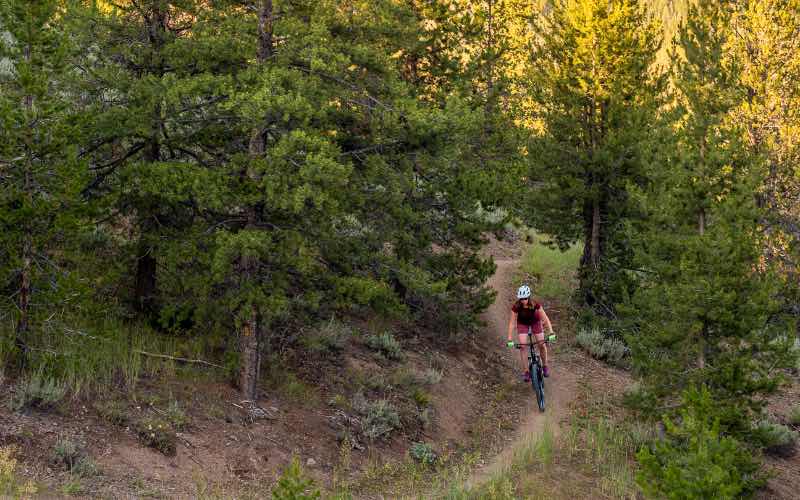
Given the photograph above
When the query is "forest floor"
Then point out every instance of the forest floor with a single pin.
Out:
(481, 421)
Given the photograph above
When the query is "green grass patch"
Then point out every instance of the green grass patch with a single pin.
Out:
(86, 356)
(549, 271)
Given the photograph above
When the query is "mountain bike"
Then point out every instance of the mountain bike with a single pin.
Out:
(535, 366)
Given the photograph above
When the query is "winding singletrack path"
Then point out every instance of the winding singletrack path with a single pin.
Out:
(560, 387)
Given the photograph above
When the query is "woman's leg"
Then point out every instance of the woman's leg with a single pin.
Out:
(543, 353)
(523, 352)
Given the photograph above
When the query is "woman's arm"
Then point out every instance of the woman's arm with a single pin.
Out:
(511, 322)
(546, 320)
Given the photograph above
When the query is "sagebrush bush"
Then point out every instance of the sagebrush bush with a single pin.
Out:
(379, 418)
(38, 391)
(423, 453)
(386, 344)
(601, 347)
(68, 454)
(328, 340)
(177, 416)
(777, 439)
(431, 376)
(113, 411)
(794, 415)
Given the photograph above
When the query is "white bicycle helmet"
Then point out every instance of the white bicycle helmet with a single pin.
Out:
(524, 292)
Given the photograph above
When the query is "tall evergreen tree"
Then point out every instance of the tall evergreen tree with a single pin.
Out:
(153, 76)
(40, 171)
(706, 306)
(595, 99)
(768, 51)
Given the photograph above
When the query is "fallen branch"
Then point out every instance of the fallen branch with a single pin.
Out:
(174, 358)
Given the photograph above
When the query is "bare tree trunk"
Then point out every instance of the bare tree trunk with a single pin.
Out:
(251, 331)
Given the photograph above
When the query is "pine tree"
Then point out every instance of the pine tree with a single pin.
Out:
(707, 314)
(595, 99)
(153, 74)
(41, 173)
(768, 52)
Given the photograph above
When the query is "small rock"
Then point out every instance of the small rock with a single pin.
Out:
(311, 462)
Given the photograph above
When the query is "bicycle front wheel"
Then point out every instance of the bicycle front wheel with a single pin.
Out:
(538, 385)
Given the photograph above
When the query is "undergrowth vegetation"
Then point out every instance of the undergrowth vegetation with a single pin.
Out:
(602, 347)
(11, 485)
(549, 271)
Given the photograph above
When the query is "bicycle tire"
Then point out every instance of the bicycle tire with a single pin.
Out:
(538, 385)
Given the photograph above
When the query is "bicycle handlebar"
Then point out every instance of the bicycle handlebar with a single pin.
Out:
(547, 340)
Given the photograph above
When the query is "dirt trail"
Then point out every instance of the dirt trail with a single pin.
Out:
(560, 387)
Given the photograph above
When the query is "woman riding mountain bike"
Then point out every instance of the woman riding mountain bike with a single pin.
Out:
(528, 317)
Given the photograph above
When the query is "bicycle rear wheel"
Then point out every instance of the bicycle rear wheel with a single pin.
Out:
(538, 384)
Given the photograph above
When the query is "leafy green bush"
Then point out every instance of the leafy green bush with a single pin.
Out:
(601, 347)
(293, 485)
(38, 392)
(696, 460)
(777, 439)
(423, 453)
(157, 434)
(379, 418)
(386, 344)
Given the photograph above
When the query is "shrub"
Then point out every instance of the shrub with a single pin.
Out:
(777, 439)
(794, 416)
(601, 347)
(177, 417)
(421, 398)
(69, 455)
(156, 434)
(696, 460)
(386, 344)
(10, 484)
(379, 418)
(66, 453)
(423, 453)
(293, 485)
(330, 339)
(38, 392)
(431, 376)
(113, 411)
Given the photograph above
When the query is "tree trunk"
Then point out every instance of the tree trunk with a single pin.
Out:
(23, 323)
(701, 347)
(251, 331)
(594, 254)
(24, 295)
(145, 289)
